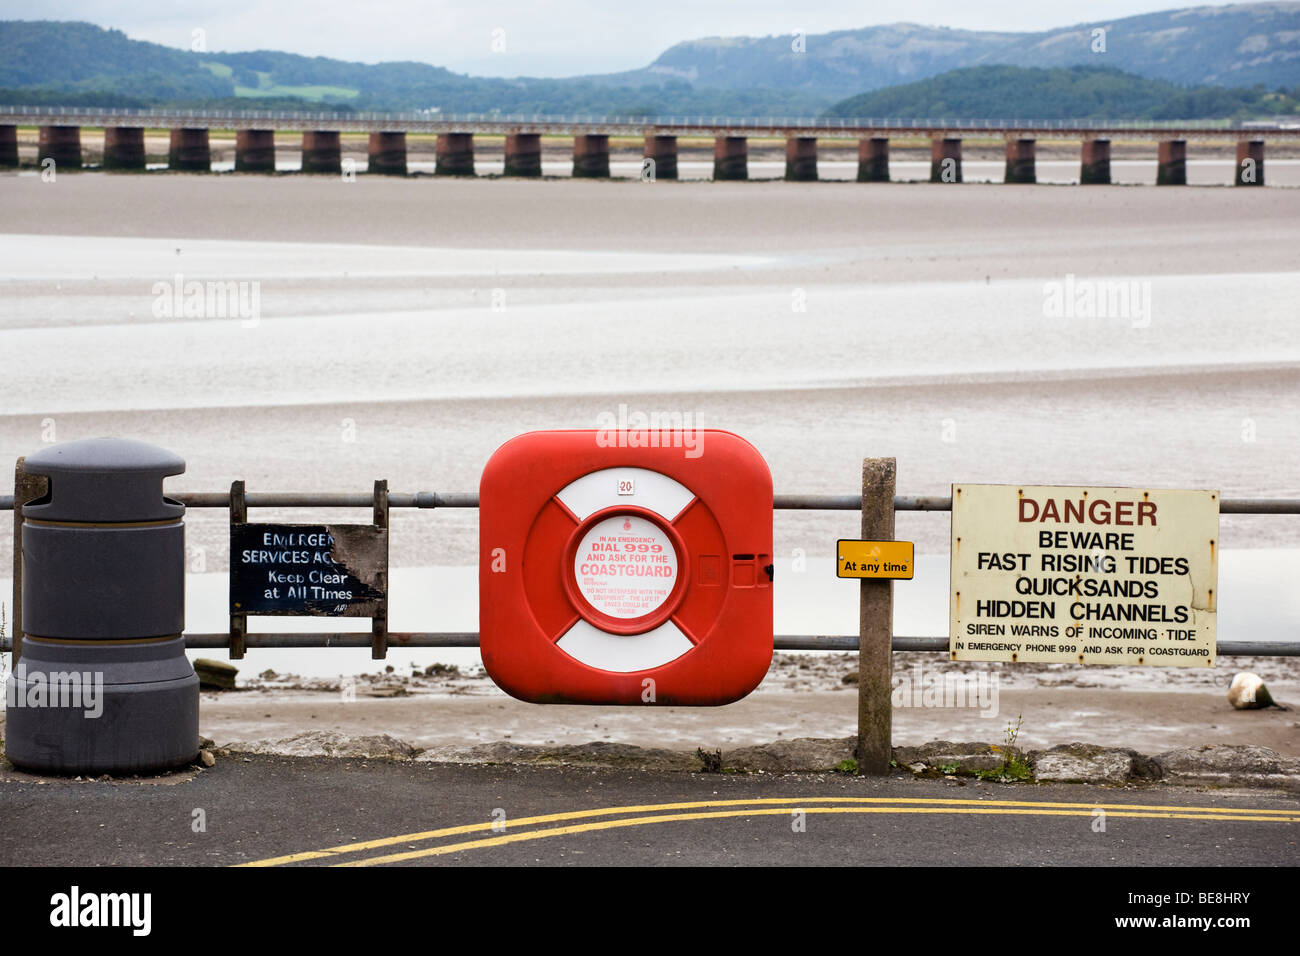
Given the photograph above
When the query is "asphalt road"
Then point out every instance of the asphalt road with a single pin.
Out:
(303, 812)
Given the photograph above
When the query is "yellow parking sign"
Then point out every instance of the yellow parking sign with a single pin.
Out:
(874, 559)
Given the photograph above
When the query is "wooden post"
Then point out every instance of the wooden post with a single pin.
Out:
(876, 624)
(238, 622)
(379, 623)
(26, 488)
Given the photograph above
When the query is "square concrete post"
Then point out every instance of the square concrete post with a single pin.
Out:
(1020, 160)
(873, 160)
(124, 147)
(8, 145)
(1172, 163)
(523, 154)
(455, 154)
(945, 159)
(387, 154)
(189, 151)
(1250, 163)
(322, 152)
(801, 158)
(730, 157)
(255, 151)
(591, 156)
(876, 625)
(663, 151)
(1094, 164)
(61, 144)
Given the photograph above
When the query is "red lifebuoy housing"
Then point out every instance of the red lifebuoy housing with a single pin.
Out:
(626, 572)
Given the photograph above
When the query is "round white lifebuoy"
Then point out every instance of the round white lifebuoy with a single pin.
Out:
(625, 568)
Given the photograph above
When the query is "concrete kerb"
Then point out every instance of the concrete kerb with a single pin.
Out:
(1216, 766)
(1206, 767)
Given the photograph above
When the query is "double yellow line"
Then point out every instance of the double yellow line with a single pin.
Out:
(518, 831)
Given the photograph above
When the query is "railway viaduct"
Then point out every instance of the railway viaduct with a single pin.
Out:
(124, 141)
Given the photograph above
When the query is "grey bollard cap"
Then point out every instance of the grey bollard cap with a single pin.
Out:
(104, 480)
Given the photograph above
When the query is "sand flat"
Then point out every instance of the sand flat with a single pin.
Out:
(896, 232)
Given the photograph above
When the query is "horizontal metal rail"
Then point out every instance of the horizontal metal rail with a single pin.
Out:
(434, 499)
(782, 642)
(789, 502)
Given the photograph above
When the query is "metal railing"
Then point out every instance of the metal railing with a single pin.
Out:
(431, 500)
(793, 502)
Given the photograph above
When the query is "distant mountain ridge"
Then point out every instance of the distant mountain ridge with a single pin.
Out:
(48, 62)
(1237, 45)
(1240, 45)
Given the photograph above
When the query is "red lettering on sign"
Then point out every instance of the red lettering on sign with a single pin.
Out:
(1098, 511)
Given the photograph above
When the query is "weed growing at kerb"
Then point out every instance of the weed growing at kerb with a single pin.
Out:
(1014, 765)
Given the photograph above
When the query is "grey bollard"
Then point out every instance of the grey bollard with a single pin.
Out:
(103, 684)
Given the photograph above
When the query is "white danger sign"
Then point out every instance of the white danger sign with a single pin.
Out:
(1084, 575)
(625, 566)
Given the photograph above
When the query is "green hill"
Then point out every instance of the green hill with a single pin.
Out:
(1077, 92)
(83, 58)
(48, 62)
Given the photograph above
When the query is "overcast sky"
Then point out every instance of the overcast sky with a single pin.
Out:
(540, 37)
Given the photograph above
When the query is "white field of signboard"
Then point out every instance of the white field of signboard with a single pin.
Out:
(1084, 575)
